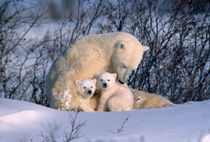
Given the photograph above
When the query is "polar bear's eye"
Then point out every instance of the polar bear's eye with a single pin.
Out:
(101, 79)
(108, 79)
(84, 87)
(91, 87)
(124, 66)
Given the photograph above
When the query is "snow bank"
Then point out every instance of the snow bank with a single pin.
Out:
(24, 121)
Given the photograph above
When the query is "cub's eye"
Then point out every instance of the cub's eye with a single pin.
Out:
(84, 87)
(108, 79)
(91, 87)
(101, 79)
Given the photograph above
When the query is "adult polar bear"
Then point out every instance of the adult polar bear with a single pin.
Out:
(113, 52)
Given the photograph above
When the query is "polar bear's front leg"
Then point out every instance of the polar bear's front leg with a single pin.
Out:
(102, 102)
(86, 108)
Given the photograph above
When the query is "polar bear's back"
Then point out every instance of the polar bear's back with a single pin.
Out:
(148, 100)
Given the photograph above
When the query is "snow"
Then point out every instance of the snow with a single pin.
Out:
(38, 32)
(24, 121)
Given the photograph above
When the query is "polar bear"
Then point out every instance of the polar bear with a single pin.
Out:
(113, 52)
(143, 99)
(85, 89)
(114, 96)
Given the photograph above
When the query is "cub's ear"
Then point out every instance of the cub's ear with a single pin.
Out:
(115, 75)
(94, 80)
(145, 48)
(138, 99)
(97, 75)
(120, 44)
(77, 82)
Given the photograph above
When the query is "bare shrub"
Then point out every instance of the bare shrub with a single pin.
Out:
(14, 53)
(177, 32)
(122, 127)
(74, 131)
(24, 63)
(177, 64)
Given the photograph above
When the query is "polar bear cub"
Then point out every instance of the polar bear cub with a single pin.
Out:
(85, 89)
(114, 96)
(143, 99)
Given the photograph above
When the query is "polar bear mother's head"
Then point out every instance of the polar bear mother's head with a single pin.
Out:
(126, 57)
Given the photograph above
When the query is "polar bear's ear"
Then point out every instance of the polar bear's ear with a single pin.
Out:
(121, 44)
(97, 75)
(145, 48)
(138, 99)
(77, 82)
(115, 75)
(94, 80)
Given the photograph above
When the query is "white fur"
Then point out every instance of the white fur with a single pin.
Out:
(114, 96)
(114, 52)
(144, 99)
(86, 89)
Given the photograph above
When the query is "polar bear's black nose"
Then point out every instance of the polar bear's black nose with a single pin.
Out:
(104, 85)
(89, 91)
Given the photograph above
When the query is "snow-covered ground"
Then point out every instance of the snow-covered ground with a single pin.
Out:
(24, 121)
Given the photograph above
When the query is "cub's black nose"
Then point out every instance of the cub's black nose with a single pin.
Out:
(104, 85)
(89, 91)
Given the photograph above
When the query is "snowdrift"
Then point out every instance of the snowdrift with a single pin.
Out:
(24, 121)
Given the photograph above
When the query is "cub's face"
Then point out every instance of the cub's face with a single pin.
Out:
(106, 80)
(86, 87)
